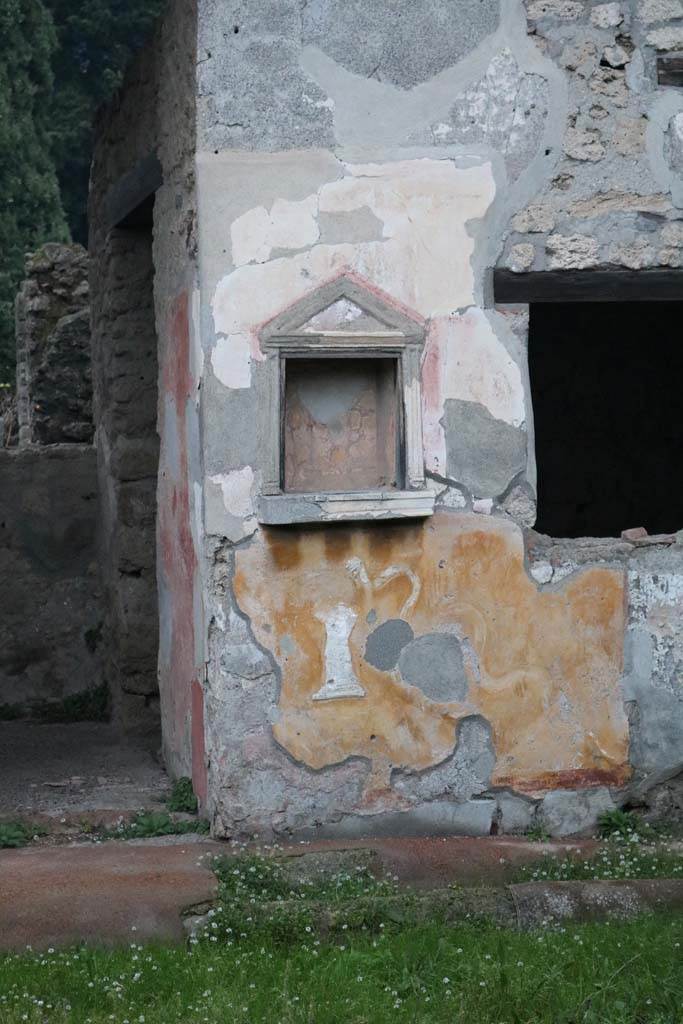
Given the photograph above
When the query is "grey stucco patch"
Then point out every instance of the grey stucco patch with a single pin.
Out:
(350, 226)
(434, 664)
(230, 438)
(328, 399)
(482, 453)
(253, 93)
(384, 645)
(409, 45)
(438, 818)
(463, 775)
(655, 708)
(654, 659)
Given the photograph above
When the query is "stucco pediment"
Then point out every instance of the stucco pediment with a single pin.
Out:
(343, 308)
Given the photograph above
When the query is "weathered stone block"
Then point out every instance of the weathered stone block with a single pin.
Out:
(536, 217)
(607, 15)
(572, 252)
(584, 144)
(565, 10)
(569, 812)
(521, 257)
(670, 38)
(651, 11)
(676, 143)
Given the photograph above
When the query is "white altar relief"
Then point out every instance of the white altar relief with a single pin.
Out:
(340, 679)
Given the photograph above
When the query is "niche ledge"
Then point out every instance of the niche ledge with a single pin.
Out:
(281, 509)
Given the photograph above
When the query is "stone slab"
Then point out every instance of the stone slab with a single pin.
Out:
(111, 894)
(538, 903)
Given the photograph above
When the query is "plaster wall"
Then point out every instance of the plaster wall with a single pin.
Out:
(415, 149)
(491, 675)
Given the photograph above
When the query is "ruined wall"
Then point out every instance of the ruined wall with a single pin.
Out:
(142, 274)
(54, 381)
(51, 621)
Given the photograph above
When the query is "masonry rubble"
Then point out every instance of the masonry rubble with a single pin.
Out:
(54, 388)
(51, 622)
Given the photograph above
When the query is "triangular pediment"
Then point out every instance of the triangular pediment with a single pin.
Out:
(343, 315)
(342, 309)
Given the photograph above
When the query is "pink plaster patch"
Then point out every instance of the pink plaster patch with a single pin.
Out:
(176, 544)
(433, 395)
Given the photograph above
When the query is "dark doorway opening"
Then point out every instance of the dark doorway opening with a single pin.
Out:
(606, 388)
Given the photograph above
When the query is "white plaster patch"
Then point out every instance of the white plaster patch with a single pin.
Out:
(423, 260)
(231, 361)
(656, 603)
(662, 588)
(465, 360)
(237, 489)
(288, 225)
(542, 572)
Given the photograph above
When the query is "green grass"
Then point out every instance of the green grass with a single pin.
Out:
(618, 858)
(594, 974)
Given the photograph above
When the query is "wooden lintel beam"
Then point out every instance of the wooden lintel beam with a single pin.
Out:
(588, 286)
(670, 70)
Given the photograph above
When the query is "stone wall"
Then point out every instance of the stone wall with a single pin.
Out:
(51, 624)
(54, 386)
(125, 380)
(141, 276)
(615, 196)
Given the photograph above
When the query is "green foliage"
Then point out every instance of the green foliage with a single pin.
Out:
(96, 38)
(86, 706)
(13, 835)
(31, 211)
(12, 712)
(537, 833)
(182, 797)
(148, 824)
(619, 823)
(59, 60)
